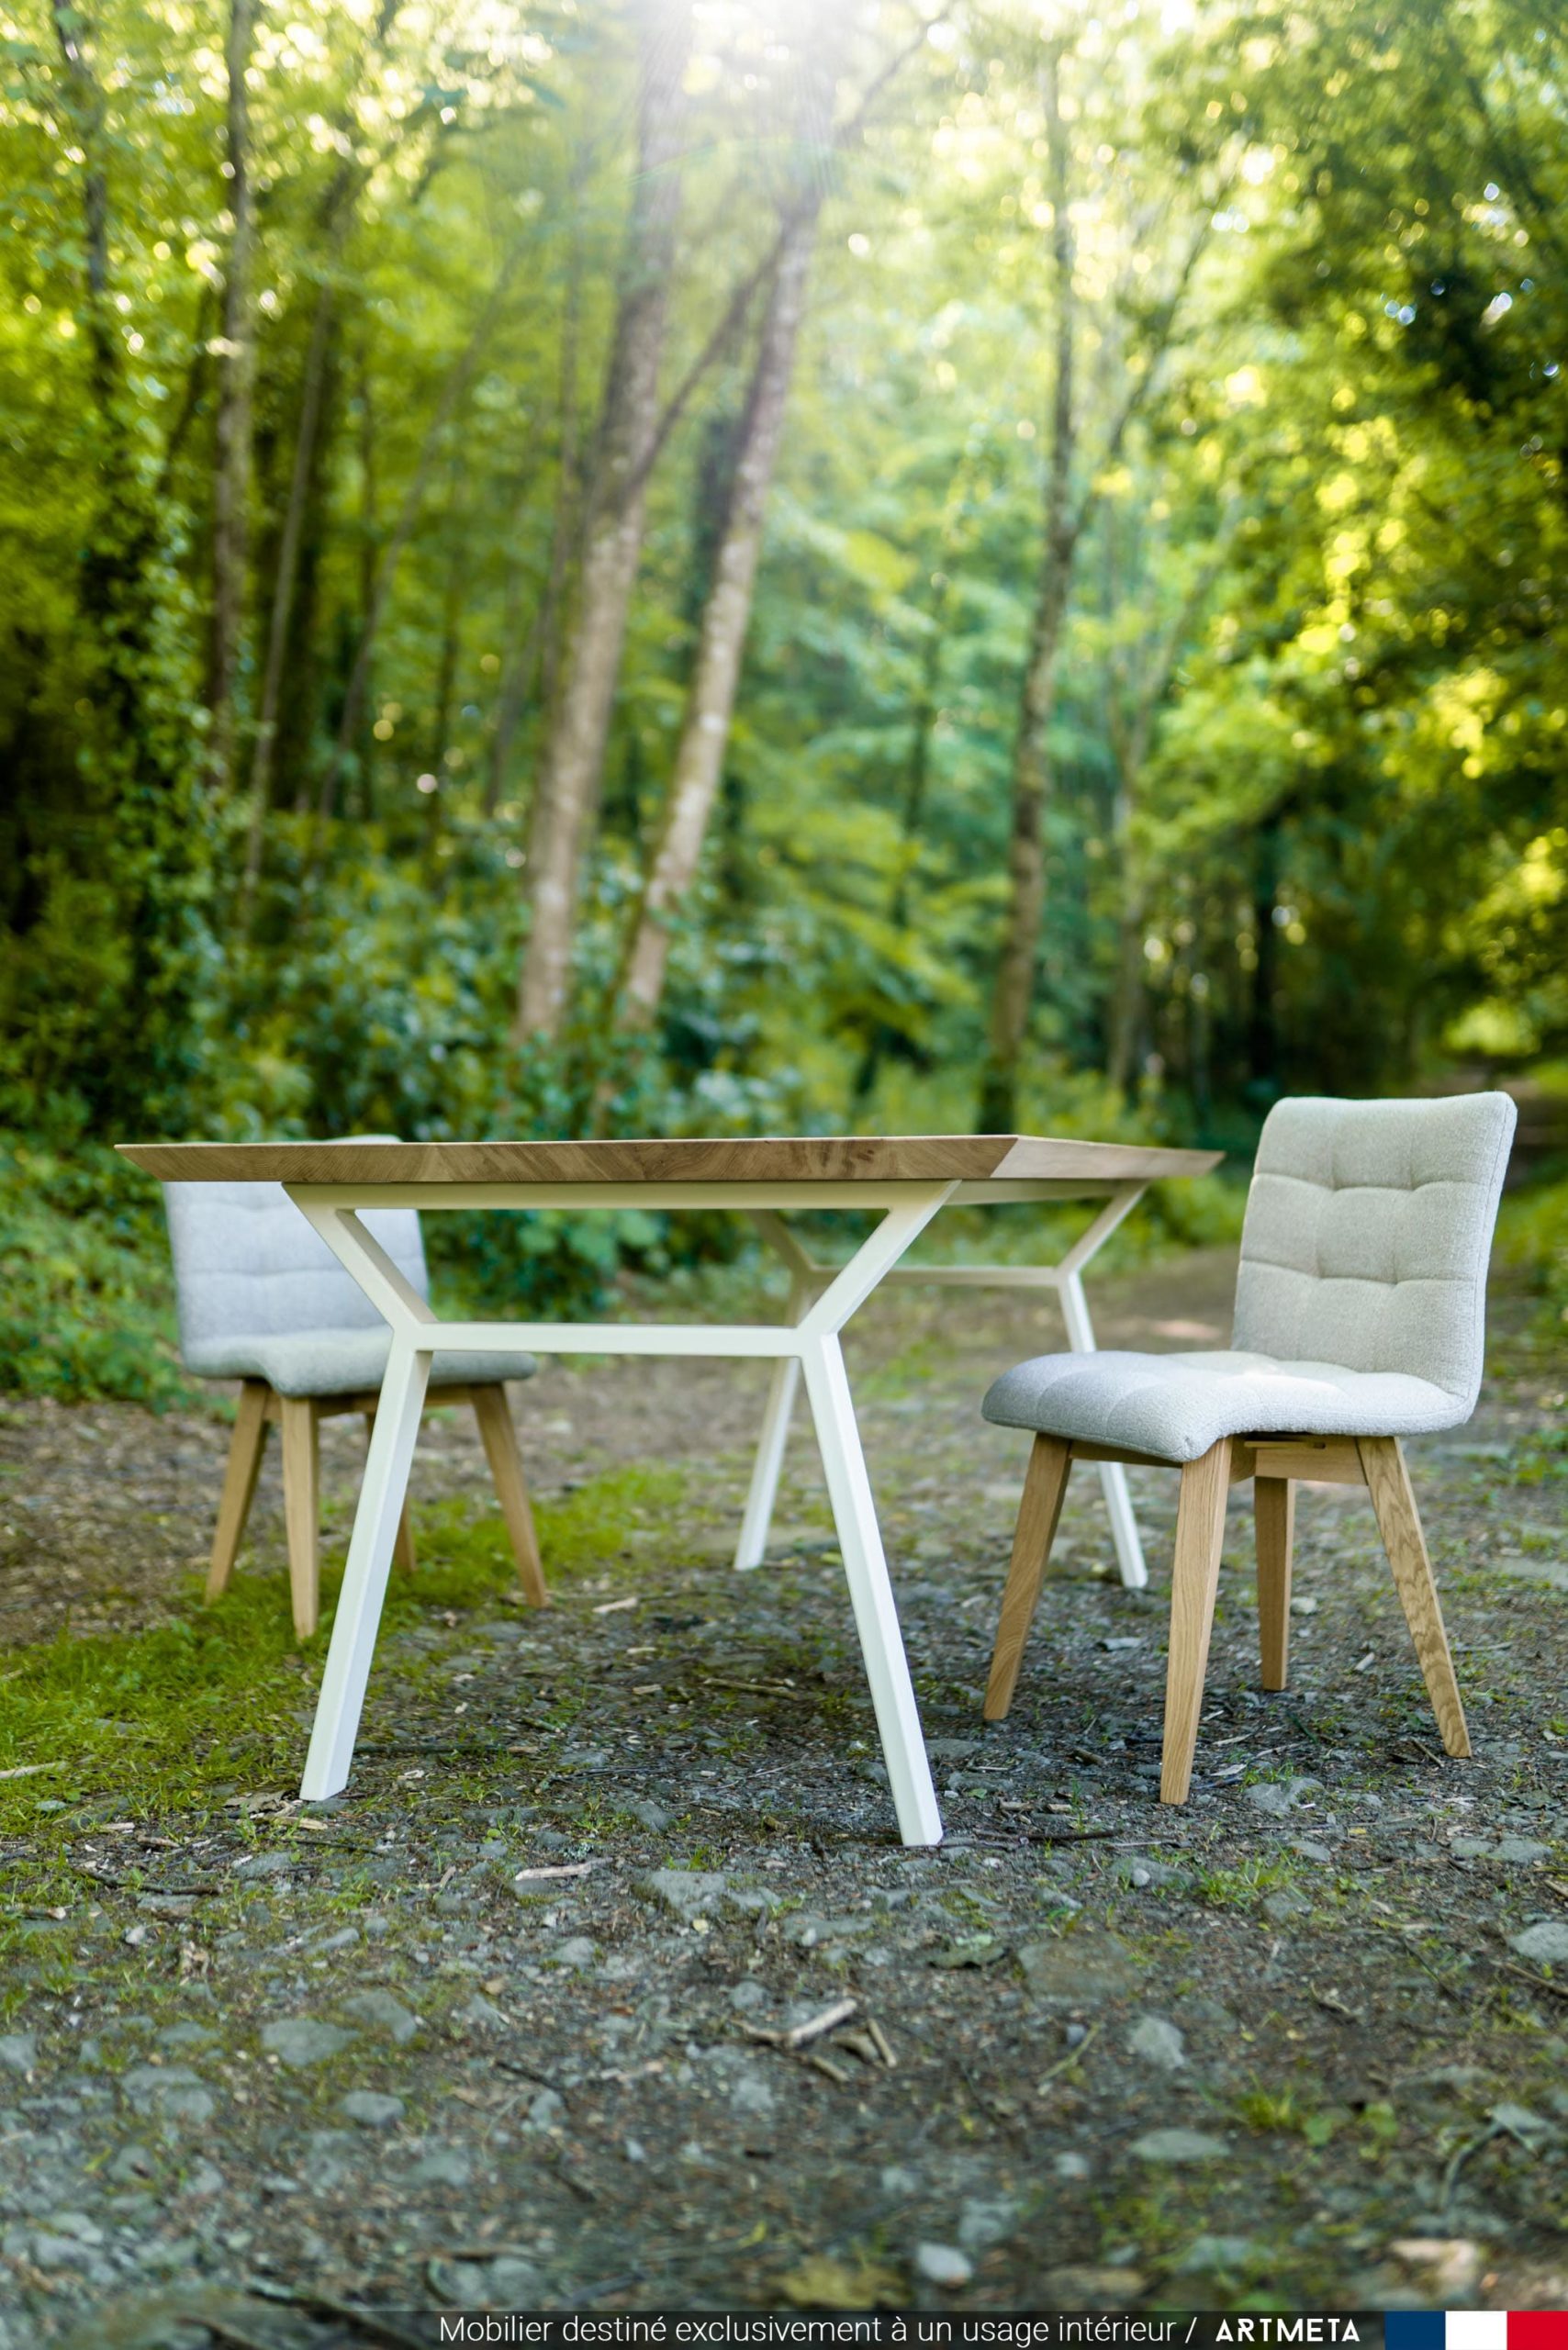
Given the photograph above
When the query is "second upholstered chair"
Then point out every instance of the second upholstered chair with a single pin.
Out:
(261, 1299)
(1360, 1319)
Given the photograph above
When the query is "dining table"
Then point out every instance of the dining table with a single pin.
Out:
(903, 1182)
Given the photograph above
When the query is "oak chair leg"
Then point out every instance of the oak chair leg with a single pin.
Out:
(403, 1556)
(1200, 1536)
(1273, 1503)
(1040, 1514)
(301, 1496)
(239, 1482)
(1399, 1523)
(494, 1415)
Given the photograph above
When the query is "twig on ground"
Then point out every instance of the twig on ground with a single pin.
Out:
(1074, 2056)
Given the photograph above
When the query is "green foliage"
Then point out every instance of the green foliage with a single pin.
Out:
(1303, 828)
(86, 1296)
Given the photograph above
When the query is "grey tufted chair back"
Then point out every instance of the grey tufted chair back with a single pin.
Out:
(1367, 1233)
(247, 1265)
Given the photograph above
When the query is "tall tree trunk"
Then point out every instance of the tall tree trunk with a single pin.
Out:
(312, 392)
(913, 814)
(535, 648)
(379, 585)
(569, 781)
(710, 698)
(1013, 995)
(236, 379)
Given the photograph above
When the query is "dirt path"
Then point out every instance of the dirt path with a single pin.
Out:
(1285, 2043)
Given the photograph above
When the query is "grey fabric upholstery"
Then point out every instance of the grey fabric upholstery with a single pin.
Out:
(260, 1296)
(1360, 1303)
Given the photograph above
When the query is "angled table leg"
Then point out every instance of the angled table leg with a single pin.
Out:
(1112, 1476)
(375, 1536)
(854, 1516)
(767, 1467)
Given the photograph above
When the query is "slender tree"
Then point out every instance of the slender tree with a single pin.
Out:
(236, 379)
(567, 789)
(1070, 507)
(709, 701)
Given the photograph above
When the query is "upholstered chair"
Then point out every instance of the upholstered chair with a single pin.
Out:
(262, 1300)
(1360, 1317)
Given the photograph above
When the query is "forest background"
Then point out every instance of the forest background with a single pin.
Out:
(764, 565)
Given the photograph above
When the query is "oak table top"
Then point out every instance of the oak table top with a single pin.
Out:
(759, 1159)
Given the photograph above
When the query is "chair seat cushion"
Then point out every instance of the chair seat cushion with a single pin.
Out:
(339, 1363)
(1176, 1405)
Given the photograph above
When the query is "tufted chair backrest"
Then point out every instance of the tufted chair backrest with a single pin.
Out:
(1368, 1228)
(247, 1265)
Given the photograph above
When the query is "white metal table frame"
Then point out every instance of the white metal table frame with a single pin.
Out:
(823, 1300)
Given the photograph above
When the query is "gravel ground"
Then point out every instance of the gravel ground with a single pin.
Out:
(518, 2021)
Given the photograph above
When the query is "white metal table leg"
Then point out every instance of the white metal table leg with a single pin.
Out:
(1112, 1476)
(769, 1465)
(392, 1440)
(872, 1593)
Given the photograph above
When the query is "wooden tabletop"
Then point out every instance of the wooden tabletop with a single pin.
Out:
(806, 1158)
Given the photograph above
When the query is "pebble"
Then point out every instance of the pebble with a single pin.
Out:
(689, 1893)
(1178, 2147)
(371, 2108)
(1206, 2255)
(1547, 1943)
(546, 2111)
(441, 2167)
(1283, 1907)
(379, 2012)
(986, 2219)
(1159, 2042)
(302, 2041)
(267, 1864)
(1279, 1798)
(18, 2051)
(1311, 1849)
(942, 2264)
(576, 1954)
(1072, 2166)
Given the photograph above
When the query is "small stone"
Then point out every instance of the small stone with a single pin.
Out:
(548, 2109)
(1087, 1967)
(751, 2096)
(689, 1893)
(203, 2179)
(1310, 1849)
(1070, 2166)
(1547, 1943)
(1178, 2147)
(441, 2167)
(1159, 2042)
(1214, 2256)
(482, 2015)
(18, 2051)
(371, 2108)
(652, 1813)
(302, 2041)
(748, 1996)
(575, 1955)
(379, 2012)
(1522, 1849)
(1136, 1869)
(985, 2220)
(1446, 2268)
(1282, 1909)
(1279, 1798)
(267, 1864)
(942, 2264)
(1090, 2288)
(896, 2178)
